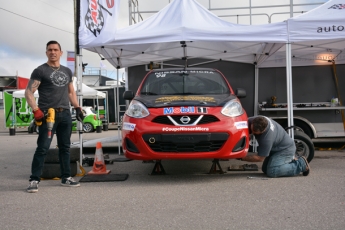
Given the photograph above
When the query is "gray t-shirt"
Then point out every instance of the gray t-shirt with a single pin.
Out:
(273, 140)
(53, 90)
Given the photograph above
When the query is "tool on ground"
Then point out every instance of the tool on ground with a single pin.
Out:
(260, 178)
(50, 121)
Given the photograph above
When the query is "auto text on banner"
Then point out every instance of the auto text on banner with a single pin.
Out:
(98, 21)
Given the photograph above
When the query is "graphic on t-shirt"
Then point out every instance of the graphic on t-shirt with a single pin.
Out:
(59, 78)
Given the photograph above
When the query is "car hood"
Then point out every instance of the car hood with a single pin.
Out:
(184, 100)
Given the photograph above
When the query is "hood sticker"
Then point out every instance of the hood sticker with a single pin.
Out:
(128, 126)
(189, 109)
(184, 98)
(241, 125)
(184, 129)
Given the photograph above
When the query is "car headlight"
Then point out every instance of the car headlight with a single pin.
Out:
(137, 109)
(232, 109)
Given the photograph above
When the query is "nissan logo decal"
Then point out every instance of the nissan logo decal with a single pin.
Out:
(185, 119)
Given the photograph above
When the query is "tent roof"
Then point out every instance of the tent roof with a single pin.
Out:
(159, 38)
(317, 37)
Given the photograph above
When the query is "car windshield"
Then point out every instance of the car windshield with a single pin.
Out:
(184, 82)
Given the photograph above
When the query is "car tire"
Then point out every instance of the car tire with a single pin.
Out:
(304, 145)
(52, 170)
(301, 127)
(88, 128)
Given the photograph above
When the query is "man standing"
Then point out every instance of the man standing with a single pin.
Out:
(54, 84)
(276, 148)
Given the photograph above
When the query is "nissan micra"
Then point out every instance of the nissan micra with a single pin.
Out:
(187, 113)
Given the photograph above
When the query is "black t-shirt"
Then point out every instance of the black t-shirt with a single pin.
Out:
(53, 90)
(273, 140)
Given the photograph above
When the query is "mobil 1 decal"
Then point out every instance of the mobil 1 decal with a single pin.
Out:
(185, 109)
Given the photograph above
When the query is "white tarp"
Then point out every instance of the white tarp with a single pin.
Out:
(97, 21)
(159, 37)
(317, 37)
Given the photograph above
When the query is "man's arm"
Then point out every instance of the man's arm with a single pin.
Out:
(72, 95)
(253, 158)
(29, 93)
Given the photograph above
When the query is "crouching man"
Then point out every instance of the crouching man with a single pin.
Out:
(276, 149)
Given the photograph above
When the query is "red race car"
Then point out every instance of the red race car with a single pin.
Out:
(186, 113)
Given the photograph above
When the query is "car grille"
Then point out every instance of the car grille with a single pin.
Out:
(206, 119)
(203, 142)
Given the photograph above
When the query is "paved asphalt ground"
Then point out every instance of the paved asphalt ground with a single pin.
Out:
(186, 198)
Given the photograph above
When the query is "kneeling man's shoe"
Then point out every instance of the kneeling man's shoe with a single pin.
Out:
(307, 167)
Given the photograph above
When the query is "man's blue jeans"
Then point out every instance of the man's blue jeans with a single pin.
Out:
(283, 164)
(63, 129)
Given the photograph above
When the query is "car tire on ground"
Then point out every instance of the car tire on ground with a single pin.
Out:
(52, 170)
(88, 128)
(53, 155)
(304, 145)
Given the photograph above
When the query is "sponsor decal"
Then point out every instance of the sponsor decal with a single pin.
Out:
(202, 110)
(241, 125)
(330, 29)
(337, 7)
(183, 72)
(172, 110)
(94, 19)
(160, 74)
(184, 98)
(128, 126)
(184, 129)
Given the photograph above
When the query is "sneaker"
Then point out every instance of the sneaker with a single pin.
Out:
(33, 186)
(69, 182)
(307, 167)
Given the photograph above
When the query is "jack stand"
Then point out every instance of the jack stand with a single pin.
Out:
(158, 168)
(214, 170)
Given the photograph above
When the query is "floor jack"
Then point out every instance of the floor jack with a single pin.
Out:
(214, 169)
(158, 168)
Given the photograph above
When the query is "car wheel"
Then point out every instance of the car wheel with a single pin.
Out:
(301, 127)
(88, 128)
(304, 145)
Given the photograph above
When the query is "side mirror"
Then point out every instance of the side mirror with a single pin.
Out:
(128, 95)
(240, 93)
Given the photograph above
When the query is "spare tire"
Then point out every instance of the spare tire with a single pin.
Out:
(304, 145)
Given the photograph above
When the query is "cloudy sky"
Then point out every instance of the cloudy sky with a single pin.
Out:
(27, 25)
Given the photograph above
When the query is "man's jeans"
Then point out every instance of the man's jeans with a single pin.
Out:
(63, 129)
(283, 164)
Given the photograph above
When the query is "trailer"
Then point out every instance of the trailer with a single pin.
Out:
(109, 113)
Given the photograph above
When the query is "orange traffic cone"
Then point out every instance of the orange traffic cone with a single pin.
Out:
(98, 164)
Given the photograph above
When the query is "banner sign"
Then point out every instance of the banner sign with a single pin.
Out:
(71, 61)
(98, 22)
(22, 115)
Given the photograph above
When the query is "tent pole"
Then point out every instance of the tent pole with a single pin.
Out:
(118, 111)
(80, 100)
(256, 90)
(289, 89)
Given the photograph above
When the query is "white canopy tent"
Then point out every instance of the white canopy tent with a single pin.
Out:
(185, 30)
(317, 37)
